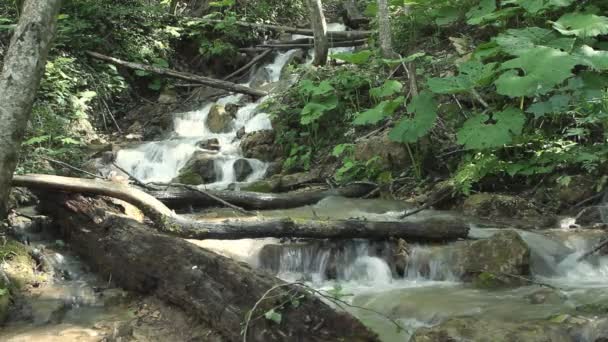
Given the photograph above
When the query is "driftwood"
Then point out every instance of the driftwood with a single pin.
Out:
(294, 30)
(214, 289)
(168, 222)
(210, 82)
(177, 198)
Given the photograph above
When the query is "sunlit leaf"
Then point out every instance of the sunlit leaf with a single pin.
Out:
(582, 25)
(481, 132)
(424, 107)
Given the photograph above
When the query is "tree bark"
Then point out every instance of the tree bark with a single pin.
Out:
(171, 223)
(23, 67)
(177, 198)
(214, 289)
(384, 30)
(334, 35)
(210, 82)
(319, 29)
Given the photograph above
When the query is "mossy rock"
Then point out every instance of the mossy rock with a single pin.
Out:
(19, 266)
(189, 177)
(264, 186)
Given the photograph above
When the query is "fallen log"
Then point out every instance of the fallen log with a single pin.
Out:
(168, 222)
(214, 289)
(295, 30)
(346, 43)
(177, 198)
(210, 82)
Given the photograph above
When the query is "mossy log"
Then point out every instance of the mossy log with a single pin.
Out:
(168, 222)
(216, 290)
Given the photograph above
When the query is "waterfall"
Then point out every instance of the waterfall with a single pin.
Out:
(161, 161)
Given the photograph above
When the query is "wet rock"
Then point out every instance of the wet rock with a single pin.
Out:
(590, 216)
(545, 296)
(579, 188)
(260, 145)
(295, 180)
(473, 329)
(240, 133)
(273, 168)
(242, 169)
(219, 120)
(200, 169)
(595, 331)
(266, 186)
(489, 262)
(5, 300)
(506, 207)
(209, 144)
(392, 155)
(115, 296)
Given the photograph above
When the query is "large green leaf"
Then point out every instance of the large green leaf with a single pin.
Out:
(477, 14)
(360, 57)
(382, 110)
(542, 68)
(596, 59)
(471, 74)
(535, 6)
(389, 88)
(479, 133)
(424, 106)
(315, 109)
(555, 104)
(582, 25)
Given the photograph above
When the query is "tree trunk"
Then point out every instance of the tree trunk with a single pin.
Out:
(384, 30)
(319, 29)
(23, 67)
(211, 82)
(214, 289)
(176, 198)
(170, 223)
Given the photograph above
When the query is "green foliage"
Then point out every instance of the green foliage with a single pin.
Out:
(409, 130)
(583, 25)
(472, 74)
(479, 133)
(353, 169)
(360, 57)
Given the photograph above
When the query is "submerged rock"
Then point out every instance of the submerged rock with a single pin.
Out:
(242, 169)
(261, 145)
(473, 329)
(218, 119)
(545, 296)
(200, 169)
(209, 144)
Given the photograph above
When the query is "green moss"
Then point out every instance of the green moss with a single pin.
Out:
(189, 177)
(261, 186)
(600, 308)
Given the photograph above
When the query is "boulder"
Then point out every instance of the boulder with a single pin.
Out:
(496, 261)
(20, 197)
(545, 296)
(265, 186)
(200, 169)
(218, 119)
(513, 209)
(295, 180)
(240, 133)
(473, 329)
(274, 168)
(260, 145)
(392, 155)
(242, 169)
(209, 144)
(595, 331)
(83, 129)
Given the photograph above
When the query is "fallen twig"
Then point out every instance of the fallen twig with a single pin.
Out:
(593, 250)
(425, 206)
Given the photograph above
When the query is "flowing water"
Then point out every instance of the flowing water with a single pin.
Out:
(430, 290)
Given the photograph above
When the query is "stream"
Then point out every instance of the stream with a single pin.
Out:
(429, 292)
